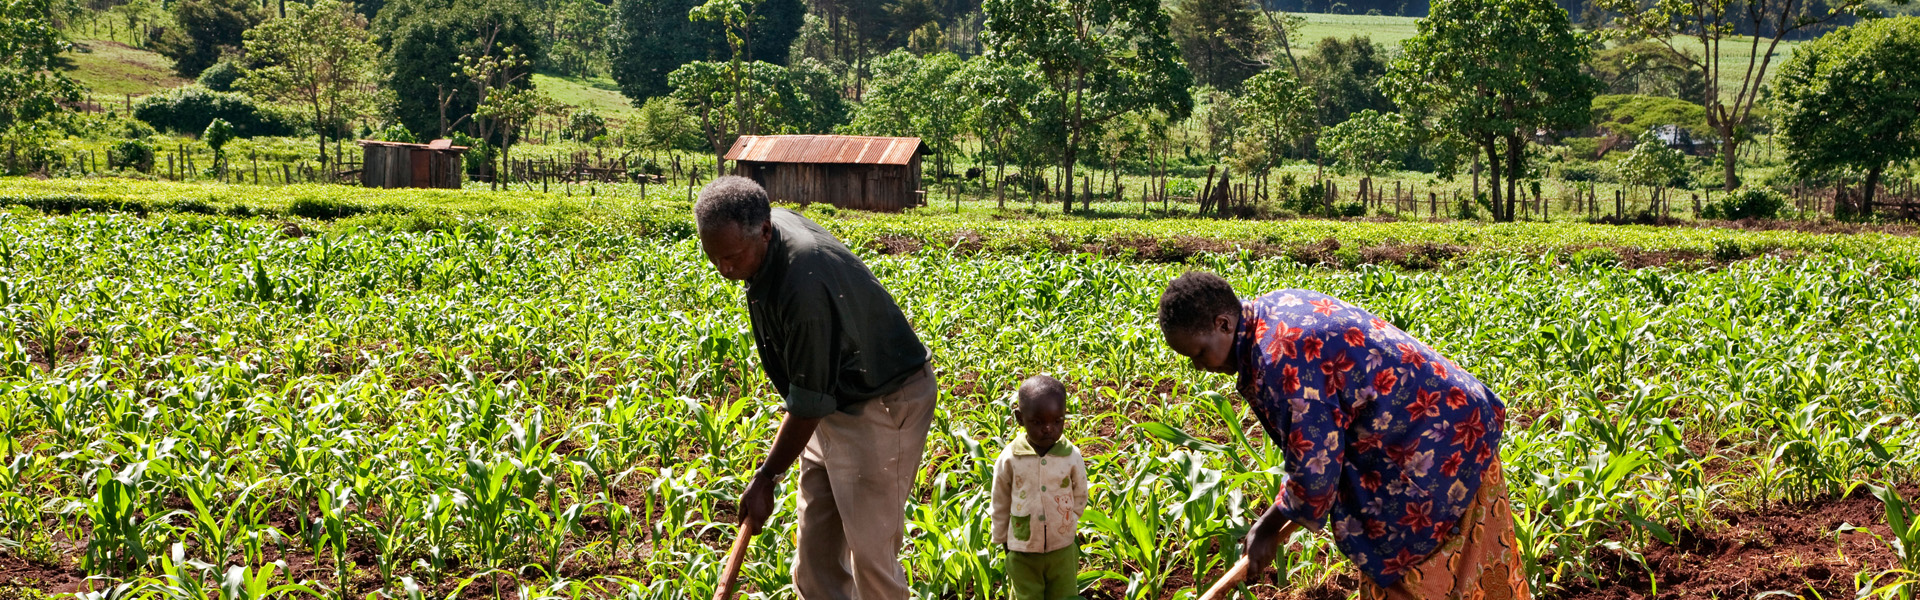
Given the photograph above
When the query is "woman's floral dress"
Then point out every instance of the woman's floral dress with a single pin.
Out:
(1383, 437)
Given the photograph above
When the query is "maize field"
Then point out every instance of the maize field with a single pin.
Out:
(231, 407)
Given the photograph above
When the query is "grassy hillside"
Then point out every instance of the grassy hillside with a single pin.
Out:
(113, 69)
(598, 93)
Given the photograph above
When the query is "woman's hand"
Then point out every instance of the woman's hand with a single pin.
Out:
(1262, 544)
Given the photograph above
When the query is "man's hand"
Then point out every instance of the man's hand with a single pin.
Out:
(1262, 544)
(756, 504)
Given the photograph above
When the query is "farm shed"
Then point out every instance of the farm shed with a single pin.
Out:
(399, 165)
(867, 173)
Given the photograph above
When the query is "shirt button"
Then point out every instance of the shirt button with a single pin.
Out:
(1043, 461)
(1043, 488)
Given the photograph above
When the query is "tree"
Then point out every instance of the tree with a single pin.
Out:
(426, 42)
(1651, 163)
(710, 89)
(1647, 68)
(1098, 59)
(1492, 73)
(1714, 23)
(510, 108)
(32, 88)
(662, 124)
(1220, 40)
(998, 96)
(1851, 101)
(575, 36)
(1368, 143)
(218, 133)
(1277, 112)
(652, 38)
(1345, 77)
(319, 58)
(913, 96)
(203, 29)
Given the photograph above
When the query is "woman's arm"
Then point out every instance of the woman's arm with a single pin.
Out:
(1262, 545)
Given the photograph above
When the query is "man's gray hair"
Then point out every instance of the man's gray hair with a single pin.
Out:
(732, 200)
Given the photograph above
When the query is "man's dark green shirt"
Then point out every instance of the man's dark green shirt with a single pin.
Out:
(830, 337)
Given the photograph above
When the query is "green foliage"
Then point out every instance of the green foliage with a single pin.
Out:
(189, 109)
(913, 96)
(33, 90)
(134, 154)
(1220, 40)
(218, 133)
(1345, 77)
(425, 42)
(318, 58)
(220, 77)
(1752, 202)
(1098, 59)
(1277, 112)
(395, 132)
(764, 99)
(1594, 257)
(1648, 68)
(1490, 73)
(1369, 143)
(1652, 163)
(1630, 116)
(584, 125)
(663, 124)
(576, 36)
(203, 30)
(653, 38)
(1851, 100)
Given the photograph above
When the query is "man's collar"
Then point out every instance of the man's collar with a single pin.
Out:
(1020, 447)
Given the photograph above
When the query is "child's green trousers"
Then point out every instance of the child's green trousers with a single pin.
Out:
(1044, 575)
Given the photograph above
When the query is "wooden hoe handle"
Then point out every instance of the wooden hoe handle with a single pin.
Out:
(1234, 576)
(730, 575)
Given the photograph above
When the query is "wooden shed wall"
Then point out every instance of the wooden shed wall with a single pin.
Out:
(857, 186)
(401, 166)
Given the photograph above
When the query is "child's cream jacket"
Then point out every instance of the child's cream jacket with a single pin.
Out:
(1038, 499)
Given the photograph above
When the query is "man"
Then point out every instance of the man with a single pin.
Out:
(858, 388)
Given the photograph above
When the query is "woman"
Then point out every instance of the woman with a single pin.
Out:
(1395, 446)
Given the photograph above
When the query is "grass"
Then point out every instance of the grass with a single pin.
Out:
(113, 70)
(599, 93)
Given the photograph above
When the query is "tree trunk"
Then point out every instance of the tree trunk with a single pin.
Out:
(1866, 193)
(1729, 157)
(1514, 159)
(1493, 180)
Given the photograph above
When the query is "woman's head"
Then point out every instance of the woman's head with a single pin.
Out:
(1199, 314)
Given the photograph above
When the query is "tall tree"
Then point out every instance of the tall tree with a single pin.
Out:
(1098, 58)
(318, 58)
(711, 91)
(1492, 73)
(998, 96)
(1368, 143)
(1648, 68)
(1278, 113)
(32, 88)
(1220, 40)
(1851, 100)
(1345, 77)
(913, 96)
(203, 29)
(425, 42)
(652, 38)
(1731, 33)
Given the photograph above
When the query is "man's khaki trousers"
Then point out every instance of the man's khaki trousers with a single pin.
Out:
(855, 476)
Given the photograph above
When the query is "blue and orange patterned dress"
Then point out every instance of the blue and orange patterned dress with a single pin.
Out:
(1384, 438)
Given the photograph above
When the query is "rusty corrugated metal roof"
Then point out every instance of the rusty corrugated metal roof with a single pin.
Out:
(843, 149)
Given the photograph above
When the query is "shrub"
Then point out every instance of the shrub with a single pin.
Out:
(130, 154)
(1582, 171)
(189, 109)
(1748, 203)
(395, 133)
(220, 77)
(584, 125)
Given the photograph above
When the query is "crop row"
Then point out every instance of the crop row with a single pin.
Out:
(196, 405)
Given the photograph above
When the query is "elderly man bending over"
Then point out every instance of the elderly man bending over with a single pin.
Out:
(858, 386)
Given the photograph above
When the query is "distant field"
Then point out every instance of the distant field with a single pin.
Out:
(1391, 31)
(113, 69)
(598, 93)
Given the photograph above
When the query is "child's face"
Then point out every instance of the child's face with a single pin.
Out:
(1044, 421)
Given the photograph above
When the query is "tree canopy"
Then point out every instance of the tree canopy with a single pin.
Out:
(1220, 40)
(1851, 101)
(1492, 73)
(426, 40)
(652, 38)
(203, 29)
(318, 58)
(32, 89)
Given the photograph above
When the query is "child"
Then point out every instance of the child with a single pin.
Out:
(1039, 491)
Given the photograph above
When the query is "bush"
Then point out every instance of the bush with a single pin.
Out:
(189, 109)
(395, 133)
(1583, 171)
(584, 125)
(130, 154)
(1748, 203)
(220, 77)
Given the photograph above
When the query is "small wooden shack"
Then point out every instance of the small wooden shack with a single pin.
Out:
(399, 165)
(867, 173)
